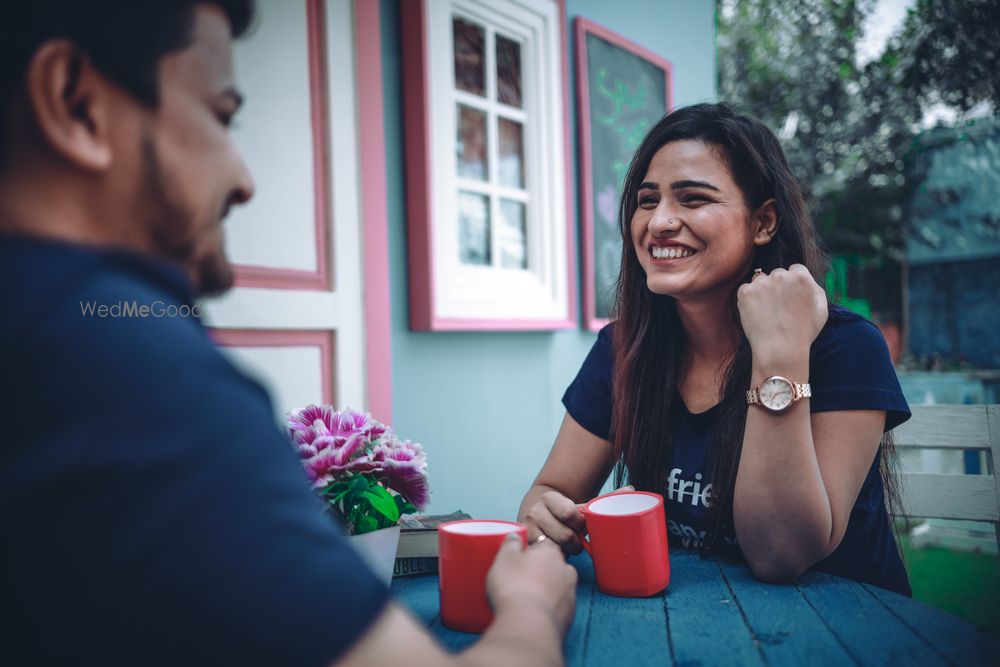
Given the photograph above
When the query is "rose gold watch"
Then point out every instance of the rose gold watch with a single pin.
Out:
(777, 393)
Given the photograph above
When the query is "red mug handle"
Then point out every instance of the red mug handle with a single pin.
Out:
(583, 538)
(583, 510)
(586, 544)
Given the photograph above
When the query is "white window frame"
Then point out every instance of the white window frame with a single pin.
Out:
(445, 293)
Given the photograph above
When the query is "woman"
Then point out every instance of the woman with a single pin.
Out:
(727, 382)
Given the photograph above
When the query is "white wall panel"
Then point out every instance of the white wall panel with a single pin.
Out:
(292, 375)
(274, 132)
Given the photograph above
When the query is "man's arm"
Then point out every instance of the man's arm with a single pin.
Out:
(533, 594)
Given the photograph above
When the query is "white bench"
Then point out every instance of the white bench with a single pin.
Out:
(953, 496)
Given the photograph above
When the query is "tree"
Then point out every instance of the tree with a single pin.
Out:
(951, 52)
(847, 128)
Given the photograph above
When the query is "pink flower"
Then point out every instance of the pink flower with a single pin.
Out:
(335, 445)
(402, 464)
(305, 425)
(335, 456)
(313, 421)
(351, 421)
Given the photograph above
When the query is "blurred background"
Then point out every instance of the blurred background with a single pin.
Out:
(888, 112)
(887, 109)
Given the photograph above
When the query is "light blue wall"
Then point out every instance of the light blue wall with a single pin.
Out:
(487, 405)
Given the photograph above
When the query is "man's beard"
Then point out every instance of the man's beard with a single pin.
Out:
(173, 230)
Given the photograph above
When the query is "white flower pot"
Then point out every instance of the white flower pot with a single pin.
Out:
(378, 550)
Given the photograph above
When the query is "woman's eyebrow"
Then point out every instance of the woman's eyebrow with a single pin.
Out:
(680, 185)
(647, 185)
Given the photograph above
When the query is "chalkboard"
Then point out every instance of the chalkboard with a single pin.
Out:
(623, 89)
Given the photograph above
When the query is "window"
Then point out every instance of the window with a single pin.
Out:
(486, 165)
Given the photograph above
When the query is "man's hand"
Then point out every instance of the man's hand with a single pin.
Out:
(537, 577)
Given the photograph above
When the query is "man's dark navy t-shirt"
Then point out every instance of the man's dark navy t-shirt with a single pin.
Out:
(152, 512)
(849, 369)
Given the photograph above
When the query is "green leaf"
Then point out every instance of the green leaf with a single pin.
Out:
(359, 483)
(382, 502)
(405, 507)
(365, 524)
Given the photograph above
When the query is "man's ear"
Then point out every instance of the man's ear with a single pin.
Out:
(70, 102)
(765, 223)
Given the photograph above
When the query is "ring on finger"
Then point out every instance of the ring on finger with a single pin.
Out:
(756, 273)
(541, 538)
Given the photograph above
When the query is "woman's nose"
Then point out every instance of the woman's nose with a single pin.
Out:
(663, 220)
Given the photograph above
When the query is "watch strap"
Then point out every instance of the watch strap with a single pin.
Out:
(799, 390)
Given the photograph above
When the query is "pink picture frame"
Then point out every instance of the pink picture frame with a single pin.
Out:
(583, 28)
(423, 315)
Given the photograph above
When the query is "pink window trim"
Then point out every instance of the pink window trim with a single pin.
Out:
(416, 93)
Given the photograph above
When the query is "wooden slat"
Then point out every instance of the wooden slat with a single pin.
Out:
(787, 630)
(945, 427)
(576, 643)
(706, 625)
(626, 631)
(874, 636)
(942, 496)
(961, 642)
(419, 595)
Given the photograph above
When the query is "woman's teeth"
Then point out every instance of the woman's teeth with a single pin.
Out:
(671, 253)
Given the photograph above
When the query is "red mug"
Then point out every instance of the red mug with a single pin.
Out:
(628, 543)
(466, 550)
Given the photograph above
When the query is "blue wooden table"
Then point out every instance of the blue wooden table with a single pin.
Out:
(716, 614)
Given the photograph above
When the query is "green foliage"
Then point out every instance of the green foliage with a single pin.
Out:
(951, 50)
(848, 127)
(364, 505)
(836, 289)
(962, 583)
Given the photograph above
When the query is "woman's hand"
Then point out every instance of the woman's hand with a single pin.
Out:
(782, 312)
(557, 518)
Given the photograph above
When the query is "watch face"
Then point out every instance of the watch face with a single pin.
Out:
(776, 393)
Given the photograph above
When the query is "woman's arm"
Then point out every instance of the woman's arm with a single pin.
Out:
(573, 473)
(799, 474)
(798, 478)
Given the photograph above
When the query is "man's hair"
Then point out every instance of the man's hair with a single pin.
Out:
(124, 39)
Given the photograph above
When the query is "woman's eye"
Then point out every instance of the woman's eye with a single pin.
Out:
(648, 201)
(694, 199)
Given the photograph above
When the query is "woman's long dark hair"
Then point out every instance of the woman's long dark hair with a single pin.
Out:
(649, 340)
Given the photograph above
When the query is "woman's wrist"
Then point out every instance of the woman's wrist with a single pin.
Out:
(789, 363)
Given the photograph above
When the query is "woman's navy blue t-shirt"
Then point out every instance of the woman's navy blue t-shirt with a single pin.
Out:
(849, 369)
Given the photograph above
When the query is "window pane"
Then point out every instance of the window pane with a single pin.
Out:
(511, 153)
(508, 71)
(470, 63)
(470, 144)
(473, 228)
(513, 235)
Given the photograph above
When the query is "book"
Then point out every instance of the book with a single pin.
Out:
(408, 567)
(418, 533)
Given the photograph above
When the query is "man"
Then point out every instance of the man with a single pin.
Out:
(151, 511)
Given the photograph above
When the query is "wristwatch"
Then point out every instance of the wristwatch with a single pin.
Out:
(777, 393)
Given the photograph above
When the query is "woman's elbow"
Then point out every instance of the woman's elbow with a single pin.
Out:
(776, 570)
(786, 565)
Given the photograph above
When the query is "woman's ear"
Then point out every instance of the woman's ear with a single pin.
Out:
(765, 223)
